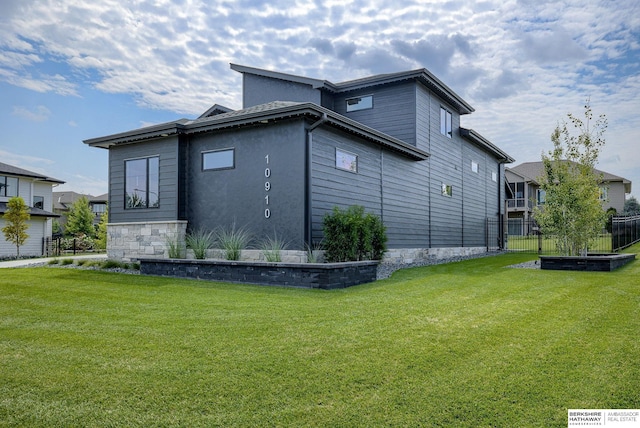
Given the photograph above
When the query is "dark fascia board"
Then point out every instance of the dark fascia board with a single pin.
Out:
(314, 83)
(315, 112)
(423, 75)
(150, 132)
(215, 108)
(486, 145)
(260, 116)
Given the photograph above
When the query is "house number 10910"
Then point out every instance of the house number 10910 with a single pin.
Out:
(267, 188)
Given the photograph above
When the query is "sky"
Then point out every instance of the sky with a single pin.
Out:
(72, 70)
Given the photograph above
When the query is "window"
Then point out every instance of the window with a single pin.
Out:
(604, 193)
(541, 195)
(347, 161)
(447, 190)
(99, 208)
(8, 186)
(445, 122)
(474, 166)
(218, 159)
(494, 176)
(142, 183)
(38, 202)
(359, 103)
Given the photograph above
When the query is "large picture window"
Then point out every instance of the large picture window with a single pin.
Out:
(218, 159)
(142, 183)
(360, 103)
(8, 186)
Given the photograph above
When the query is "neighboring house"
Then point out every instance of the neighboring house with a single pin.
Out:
(524, 193)
(36, 191)
(62, 202)
(300, 147)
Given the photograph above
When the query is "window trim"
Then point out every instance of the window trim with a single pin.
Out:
(3, 188)
(340, 165)
(446, 122)
(147, 190)
(356, 107)
(447, 190)
(494, 176)
(226, 149)
(40, 200)
(475, 167)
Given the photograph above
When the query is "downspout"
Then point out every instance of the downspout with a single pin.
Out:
(308, 221)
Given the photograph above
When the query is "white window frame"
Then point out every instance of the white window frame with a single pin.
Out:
(446, 122)
(346, 160)
(219, 165)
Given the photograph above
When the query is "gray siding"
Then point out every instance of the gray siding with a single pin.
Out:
(220, 198)
(260, 90)
(393, 112)
(167, 150)
(386, 184)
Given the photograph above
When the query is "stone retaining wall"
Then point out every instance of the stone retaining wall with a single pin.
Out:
(131, 241)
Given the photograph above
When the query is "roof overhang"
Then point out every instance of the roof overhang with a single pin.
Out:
(486, 145)
(261, 115)
(33, 212)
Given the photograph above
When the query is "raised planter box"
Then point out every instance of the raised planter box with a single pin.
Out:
(308, 275)
(592, 262)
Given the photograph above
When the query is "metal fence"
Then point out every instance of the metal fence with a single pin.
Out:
(625, 231)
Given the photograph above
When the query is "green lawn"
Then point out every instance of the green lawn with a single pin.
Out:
(533, 243)
(469, 344)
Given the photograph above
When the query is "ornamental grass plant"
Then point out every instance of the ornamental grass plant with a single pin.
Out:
(467, 344)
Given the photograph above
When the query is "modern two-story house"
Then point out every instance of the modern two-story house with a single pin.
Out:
(36, 191)
(300, 147)
(524, 194)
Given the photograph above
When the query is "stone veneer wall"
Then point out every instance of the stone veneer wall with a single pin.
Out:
(414, 255)
(132, 241)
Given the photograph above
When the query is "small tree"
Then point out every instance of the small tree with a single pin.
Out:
(16, 218)
(351, 235)
(572, 210)
(80, 218)
(631, 206)
(101, 233)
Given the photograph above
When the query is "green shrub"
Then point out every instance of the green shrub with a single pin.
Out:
(199, 241)
(272, 247)
(65, 262)
(233, 241)
(352, 235)
(313, 252)
(80, 243)
(175, 248)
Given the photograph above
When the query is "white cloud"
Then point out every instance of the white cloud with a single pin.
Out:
(38, 114)
(523, 64)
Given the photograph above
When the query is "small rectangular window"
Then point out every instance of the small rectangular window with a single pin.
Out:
(445, 122)
(447, 190)
(494, 176)
(474, 166)
(359, 103)
(346, 160)
(38, 202)
(542, 196)
(604, 193)
(218, 159)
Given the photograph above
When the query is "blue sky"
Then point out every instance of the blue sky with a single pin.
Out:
(72, 70)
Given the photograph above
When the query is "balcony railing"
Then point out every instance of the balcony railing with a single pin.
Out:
(519, 204)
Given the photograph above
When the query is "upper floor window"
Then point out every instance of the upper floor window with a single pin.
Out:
(142, 182)
(494, 176)
(99, 208)
(218, 159)
(474, 167)
(38, 202)
(359, 103)
(541, 195)
(8, 186)
(445, 122)
(604, 193)
(346, 160)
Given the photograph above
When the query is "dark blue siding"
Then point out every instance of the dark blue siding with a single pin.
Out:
(260, 90)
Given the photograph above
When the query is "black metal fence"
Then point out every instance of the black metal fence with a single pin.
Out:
(625, 231)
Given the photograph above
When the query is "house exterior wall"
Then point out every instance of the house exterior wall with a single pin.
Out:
(393, 112)
(167, 150)
(261, 90)
(220, 198)
(616, 196)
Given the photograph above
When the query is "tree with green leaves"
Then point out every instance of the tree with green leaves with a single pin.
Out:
(572, 211)
(631, 206)
(16, 218)
(80, 218)
(101, 233)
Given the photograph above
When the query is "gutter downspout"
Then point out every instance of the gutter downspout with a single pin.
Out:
(308, 221)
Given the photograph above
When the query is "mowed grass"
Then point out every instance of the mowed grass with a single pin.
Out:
(469, 344)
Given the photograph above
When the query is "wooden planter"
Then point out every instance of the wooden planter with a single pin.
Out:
(592, 262)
